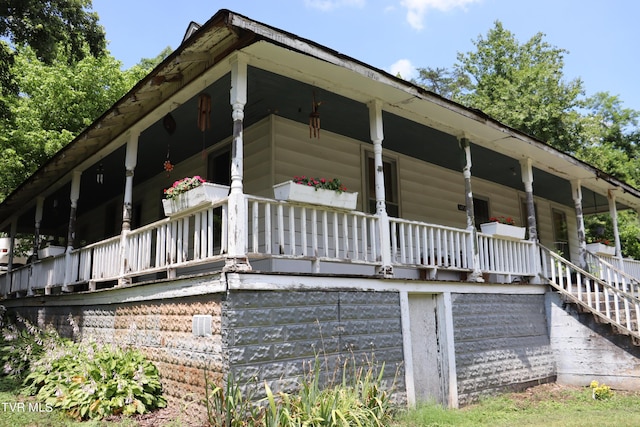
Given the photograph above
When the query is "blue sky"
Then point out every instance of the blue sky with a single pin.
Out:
(399, 35)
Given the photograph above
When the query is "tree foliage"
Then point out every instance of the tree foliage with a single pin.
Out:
(46, 27)
(57, 101)
(523, 86)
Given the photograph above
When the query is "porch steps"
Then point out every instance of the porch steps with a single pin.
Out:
(618, 328)
(606, 301)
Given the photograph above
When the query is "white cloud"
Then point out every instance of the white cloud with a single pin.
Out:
(327, 5)
(404, 68)
(417, 9)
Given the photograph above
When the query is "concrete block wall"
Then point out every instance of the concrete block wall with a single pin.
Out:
(162, 329)
(273, 335)
(501, 343)
(587, 350)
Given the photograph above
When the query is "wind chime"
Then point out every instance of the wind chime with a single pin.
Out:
(204, 119)
(169, 124)
(314, 118)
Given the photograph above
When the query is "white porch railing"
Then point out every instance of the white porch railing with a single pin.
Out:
(281, 229)
(278, 229)
(430, 245)
(605, 268)
(164, 245)
(507, 257)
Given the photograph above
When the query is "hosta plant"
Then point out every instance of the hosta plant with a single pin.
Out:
(91, 381)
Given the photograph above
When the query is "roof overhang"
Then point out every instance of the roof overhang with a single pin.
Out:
(203, 57)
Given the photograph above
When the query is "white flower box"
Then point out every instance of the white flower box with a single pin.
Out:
(301, 193)
(601, 249)
(50, 251)
(503, 230)
(205, 193)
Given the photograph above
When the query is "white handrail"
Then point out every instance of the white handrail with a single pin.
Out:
(600, 297)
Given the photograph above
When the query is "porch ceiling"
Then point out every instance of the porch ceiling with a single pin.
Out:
(417, 123)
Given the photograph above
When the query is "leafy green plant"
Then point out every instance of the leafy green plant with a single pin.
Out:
(86, 380)
(19, 346)
(90, 381)
(600, 391)
(228, 406)
(359, 399)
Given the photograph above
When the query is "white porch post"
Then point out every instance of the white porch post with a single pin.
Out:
(38, 222)
(71, 232)
(36, 238)
(237, 211)
(613, 212)
(526, 170)
(377, 135)
(12, 246)
(576, 190)
(476, 274)
(130, 162)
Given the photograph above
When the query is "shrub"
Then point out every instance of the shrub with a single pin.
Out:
(89, 381)
(86, 380)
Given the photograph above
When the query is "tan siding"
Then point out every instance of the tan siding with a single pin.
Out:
(427, 192)
(331, 156)
(257, 160)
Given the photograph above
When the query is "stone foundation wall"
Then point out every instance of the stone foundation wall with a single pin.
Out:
(501, 343)
(160, 329)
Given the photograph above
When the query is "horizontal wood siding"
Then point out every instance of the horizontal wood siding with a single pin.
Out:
(331, 156)
(276, 149)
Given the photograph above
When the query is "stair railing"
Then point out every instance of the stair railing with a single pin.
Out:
(613, 275)
(604, 299)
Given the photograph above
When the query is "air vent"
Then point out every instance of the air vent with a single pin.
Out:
(201, 325)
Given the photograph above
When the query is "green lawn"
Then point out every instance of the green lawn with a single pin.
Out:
(547, 405)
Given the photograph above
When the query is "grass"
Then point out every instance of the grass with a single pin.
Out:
(14, 411)
(548, 405)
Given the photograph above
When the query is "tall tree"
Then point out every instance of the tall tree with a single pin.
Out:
(450, 83)
(522, 85)
(57, 101)
(46, 26)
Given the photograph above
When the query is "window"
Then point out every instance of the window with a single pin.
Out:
(560, 232)
(480, 211)
(219, 166)
(390, 185)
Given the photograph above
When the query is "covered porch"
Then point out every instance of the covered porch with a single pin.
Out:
(281, 237)
(428, 172)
